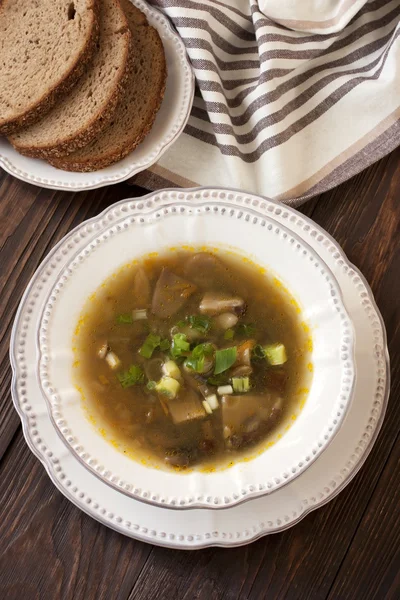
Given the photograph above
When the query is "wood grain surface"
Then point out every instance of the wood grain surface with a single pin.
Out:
(349, 549)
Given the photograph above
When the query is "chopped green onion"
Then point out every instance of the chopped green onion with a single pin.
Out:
(149, 345)
(201, 350)
(199, 322)
(207, 407)
(258, 352)
(212, 402)
(224, 390)
(241, 384)
(180, 346)
(171, 369)
(228, 335)
(122, 319)
(165, 345)
(224, 359)
(195, 364)
(139, 314)
(151, 385)
(275, 354)
(132, 376)
(167, 386)
(246, 329)
(196, 360)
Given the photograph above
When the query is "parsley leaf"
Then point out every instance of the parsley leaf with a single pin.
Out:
(132, 376)
(122, 319)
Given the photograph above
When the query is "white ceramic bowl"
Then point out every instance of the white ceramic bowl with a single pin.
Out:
(202, 218)
(169, 124)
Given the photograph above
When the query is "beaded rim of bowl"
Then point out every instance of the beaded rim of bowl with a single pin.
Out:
(118, 220)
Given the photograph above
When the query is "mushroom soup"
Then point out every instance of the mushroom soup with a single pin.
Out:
(192, 358)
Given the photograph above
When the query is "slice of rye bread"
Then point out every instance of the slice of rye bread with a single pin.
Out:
(138, 108)
(76, 119)
(44, 48)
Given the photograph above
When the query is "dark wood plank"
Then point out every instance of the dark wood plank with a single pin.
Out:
(33, 221)
(50, 549)
(371, 568)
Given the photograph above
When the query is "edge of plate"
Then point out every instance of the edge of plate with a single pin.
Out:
(206, 543)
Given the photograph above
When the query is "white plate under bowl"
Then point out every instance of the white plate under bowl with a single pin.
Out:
(205, 222)
(169, 124)
(246, 522)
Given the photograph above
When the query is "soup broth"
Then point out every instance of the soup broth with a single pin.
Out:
(192, 358)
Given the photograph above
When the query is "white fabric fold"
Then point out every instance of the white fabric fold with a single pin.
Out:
(312, 16)
(279, 112)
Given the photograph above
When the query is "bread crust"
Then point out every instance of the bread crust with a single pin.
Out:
(47, 101)
(89, 164)
(98, 122)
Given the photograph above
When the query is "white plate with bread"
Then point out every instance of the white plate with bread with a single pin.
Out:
(91, 91)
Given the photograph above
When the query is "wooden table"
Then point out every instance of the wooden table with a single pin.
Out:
(349, 549)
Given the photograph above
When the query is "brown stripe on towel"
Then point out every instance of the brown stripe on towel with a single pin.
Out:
(286, 110)
(285, 135)
(220, 16)
(158, 177)
(298, 80)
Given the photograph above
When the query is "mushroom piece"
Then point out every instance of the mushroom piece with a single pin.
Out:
(216, 303)
(102, 351)
(141, 288)
(241, 371)
(244, 351)
(192, 334)
(245, 418)
(205, 269)
(225, 321)
(178, 458)
(170, 294)
(186, 409)
(197, 383)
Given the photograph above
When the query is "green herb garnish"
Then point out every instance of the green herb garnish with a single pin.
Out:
(258, 352)
(200, 350)
(224, 359)
(246, 329)
(132, 376)
(151, 385)
(218, 380)
(229, 334)
(180, 346)
(122, 319)
(165, 345)
(197, 358)
(195, 364)
(149, 345)
(199, 322)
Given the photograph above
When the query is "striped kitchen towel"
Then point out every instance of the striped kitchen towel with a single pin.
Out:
(281, 111)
